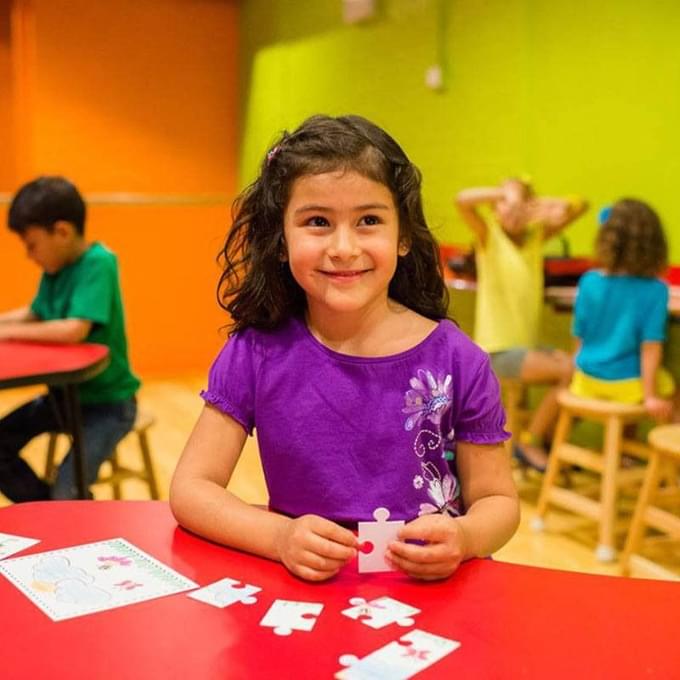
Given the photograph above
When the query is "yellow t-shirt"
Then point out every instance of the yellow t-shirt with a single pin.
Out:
(509, 289)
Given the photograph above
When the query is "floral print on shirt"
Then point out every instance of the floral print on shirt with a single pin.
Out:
(426, 403)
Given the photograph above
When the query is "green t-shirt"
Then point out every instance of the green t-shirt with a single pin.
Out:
(89, 289)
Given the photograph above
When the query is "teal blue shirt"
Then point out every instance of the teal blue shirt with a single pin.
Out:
(613, 316)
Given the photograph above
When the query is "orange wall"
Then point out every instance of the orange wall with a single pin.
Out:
(136, 96)
(6, 140)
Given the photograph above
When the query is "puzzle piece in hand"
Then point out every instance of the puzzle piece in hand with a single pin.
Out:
(379, 534)
(225, 592)
(285, 616)
(381, 612)
(398, 660)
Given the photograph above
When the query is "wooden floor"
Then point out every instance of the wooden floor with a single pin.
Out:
(566, 543)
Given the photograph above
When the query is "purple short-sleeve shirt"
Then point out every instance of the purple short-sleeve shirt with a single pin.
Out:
(340, 435)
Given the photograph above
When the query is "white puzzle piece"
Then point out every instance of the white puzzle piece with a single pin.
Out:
(381, 612)
(10, 544)
(225, 592)
(379, 534)
(398, 660)
(92, 577)
(285, 616)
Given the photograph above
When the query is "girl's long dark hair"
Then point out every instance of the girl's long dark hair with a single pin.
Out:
(257, 288)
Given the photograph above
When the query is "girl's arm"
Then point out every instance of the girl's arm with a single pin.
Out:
(650, 361)
(310, 546)
(468, 202)
(198, 498)
(490, 496)
(556, 213)
(492, 517)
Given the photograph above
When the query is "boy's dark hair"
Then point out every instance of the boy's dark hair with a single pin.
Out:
(45, 201)
(257, 288)
(632, 240)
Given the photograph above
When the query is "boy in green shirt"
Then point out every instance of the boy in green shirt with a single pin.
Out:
(78, 300)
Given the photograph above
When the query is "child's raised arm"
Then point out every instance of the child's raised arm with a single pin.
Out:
(311, 547)
(468, 202)
(556, 213)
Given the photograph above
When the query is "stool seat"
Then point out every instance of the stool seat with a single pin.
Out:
(600, 407)
(119, 473)
(143, 421)
(666, 438)
(606, 463)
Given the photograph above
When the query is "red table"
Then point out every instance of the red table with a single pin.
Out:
(56, 365)
(513, 621)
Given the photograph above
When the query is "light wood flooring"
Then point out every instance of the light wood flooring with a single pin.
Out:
(565, 544)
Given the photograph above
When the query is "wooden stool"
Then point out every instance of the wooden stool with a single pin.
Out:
(614, 416)
(119, 473)
(665, 453)
(517, 414)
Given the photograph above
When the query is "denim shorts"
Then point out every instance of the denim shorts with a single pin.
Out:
(508, 363)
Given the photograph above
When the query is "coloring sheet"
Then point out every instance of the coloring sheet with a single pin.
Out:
(10, 544)
(92, 577)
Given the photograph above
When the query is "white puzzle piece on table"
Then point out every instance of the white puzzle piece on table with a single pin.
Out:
(225, 592)
(285, 616)
(92, 577)
(379, 534)
(10, 544)
(381, 612)
(398, 660)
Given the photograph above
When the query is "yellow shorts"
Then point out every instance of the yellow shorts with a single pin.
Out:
(628, 391)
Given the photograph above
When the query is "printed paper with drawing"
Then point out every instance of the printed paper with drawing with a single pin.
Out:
(92, 577)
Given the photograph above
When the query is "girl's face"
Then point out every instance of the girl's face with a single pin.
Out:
(341, 233)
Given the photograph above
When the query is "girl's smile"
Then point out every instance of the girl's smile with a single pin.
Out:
(347, 276)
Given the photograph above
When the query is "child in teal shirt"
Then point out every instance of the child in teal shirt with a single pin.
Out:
(621, 312)
(78, 300)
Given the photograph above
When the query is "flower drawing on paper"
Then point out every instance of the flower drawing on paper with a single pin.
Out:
(128, 585)
(113, 560)
(428, 399)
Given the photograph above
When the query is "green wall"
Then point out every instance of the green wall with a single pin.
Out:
(582, 96)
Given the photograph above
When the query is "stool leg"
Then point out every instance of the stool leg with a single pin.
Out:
(148, 466)
(605, 551)
(550, 476)
(114, 470)
(51, 453)
(635, 532)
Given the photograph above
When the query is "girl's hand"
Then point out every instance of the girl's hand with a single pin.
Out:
(443, 552)
(315, 548)
(660, 409)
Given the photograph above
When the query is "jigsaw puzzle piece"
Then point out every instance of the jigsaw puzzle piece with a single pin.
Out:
(285, 616)
(381, 612)
(225, 592)
(379, 535)
(398, 660)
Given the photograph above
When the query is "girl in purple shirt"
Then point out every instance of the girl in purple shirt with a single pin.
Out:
(363, 395)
